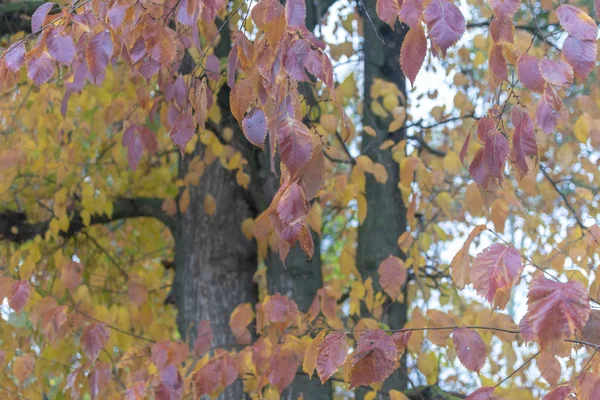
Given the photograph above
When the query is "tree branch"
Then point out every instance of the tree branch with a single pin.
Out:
(14, 226)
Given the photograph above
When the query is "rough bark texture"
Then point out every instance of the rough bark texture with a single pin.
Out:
(215, 263)
(386, 212)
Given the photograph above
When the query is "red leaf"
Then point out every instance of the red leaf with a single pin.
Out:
(485, 126)
(15, 56)
(98, 53)
(470, 348)
(208, 378)
(387, 11)
(556, 309)
(148, 139)
(331, 355)
(549, 366)
(254, 126)
(295, 60)
(229, 370)
(374, 358)
(413, 52)
(135, 149)
(559, 393)
(505, 8)
(116, 14)
(283, 367)
(20, 291)
(445, 23)
(241, 98)
(188, 12)
(495, 271)
(183, 130)
(529, 73)
(94, 337)
(502, 31)
(295, 144)
(524, 143)
(292, 210)
(38, 17)
(581, 55)
(160, 45)
(71, 274)
(295, 13)
(312, 176)
(484, 393)
(495, 152)
(576, 22)
(99, 378)
(411, 12)
(498, 65)
(204, 337)
(392, 275)
(239, 319)
(61, 47)
(41, 68)
(487, 184)
(548, 110)
(401, 340)
(556, 72)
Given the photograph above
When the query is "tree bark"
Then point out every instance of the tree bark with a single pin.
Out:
(214, 262)
(386, 211)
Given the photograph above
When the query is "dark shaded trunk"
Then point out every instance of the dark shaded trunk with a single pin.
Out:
(386, 212)
(215, 263)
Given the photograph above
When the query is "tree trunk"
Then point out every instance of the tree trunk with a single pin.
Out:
(215, 263)
(386, 211)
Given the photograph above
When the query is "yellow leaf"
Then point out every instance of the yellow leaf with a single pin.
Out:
(427, 363)
(210, 204)
(315, 218)
(184, 200)
(362, 208)
(379, 172)
(370, 131)
(310, 358)
(371, 395)
(452, 164)
(248, 228)
(396, 395)
(581, 129)
(271, 394)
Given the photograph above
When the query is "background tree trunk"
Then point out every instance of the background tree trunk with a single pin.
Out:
(386, 211)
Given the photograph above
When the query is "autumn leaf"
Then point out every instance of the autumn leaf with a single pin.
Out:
(470, 348)
(310, 358)
(445, 23)
(461, 263)
(555, 310)
(204, 337)
(387, 11)
(331, 355)
(182, 131)
(238, 322)
(484, 393)
(559, 393)
(374, 358)
(254, 126)
(392, 275)
(576, 22)
(413, 52)
(23, 367)
(495, 271)
(94, 337)
(98, 53)
(20, 293)
(524, 143)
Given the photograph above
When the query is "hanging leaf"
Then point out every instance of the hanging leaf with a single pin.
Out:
(413, 51)
(94, 337)
(183, 130)
(581, 55)
(331, 355)
(374, 358)
(470, 348)
(524, 142)
(392, 275)
(495, 271)
(576, 22)
(445, 23)
(98, 53)
(387, 11)
(555, 310)
(254, 126)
